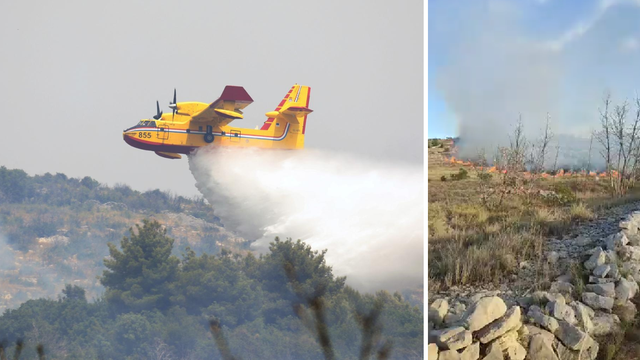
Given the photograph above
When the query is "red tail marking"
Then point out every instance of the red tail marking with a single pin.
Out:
(304, 126)
(267, 124)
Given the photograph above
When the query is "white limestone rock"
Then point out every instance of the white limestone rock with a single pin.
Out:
(536, 316)
(625, 290)
(602, 270)
(560, 311)
(483, 312)
(449, 355)
(541, 348)
(494, 352)
(432, 351)
(607, 289)
(615, 241)
(471, 352)
(604, 324)
(629, 253)
(572, 337)
(454, 338)
(511, 320)
(597, 259)
(584, 314)
(437, 311)
(596, 301)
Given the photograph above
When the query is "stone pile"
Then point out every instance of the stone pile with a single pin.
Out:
(561, 323)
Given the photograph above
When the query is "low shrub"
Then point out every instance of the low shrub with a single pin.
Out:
(460, 175)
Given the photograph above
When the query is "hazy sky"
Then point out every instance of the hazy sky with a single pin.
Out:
(74, 74)
(491, 59)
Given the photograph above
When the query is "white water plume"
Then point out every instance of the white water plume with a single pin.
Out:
(369, 216)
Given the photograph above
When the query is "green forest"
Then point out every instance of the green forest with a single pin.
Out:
(164, 302)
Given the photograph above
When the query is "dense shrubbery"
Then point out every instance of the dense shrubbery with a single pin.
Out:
(156, 303)
(17, 187)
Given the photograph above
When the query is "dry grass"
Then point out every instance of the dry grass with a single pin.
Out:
(580, 212)
(473, 244)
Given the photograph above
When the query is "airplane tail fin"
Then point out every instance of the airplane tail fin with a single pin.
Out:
(293, 109)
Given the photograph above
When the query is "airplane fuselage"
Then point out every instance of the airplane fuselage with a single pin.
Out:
(172, 134)
(181, 138)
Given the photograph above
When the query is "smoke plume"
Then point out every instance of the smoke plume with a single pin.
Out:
(369, 216)
(501, 59)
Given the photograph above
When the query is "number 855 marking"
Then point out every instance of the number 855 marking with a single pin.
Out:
(144, 135)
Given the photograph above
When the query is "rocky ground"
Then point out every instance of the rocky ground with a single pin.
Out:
(594, 273)
(556, 258)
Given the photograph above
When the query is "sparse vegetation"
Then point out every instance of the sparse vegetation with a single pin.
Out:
(579, 278)
(482, 226)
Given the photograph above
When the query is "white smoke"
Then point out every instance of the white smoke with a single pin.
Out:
(369, 216)
(502, 59)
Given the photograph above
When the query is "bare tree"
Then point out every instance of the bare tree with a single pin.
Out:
(518, 148)
(604, 135)
(555, 162)
(539, 151)
(620, 141)
(589, 157)
(510, 163)
(627, 138)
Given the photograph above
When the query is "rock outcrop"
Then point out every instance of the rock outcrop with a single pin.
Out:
(561, 323)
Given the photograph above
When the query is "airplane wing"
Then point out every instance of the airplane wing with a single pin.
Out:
(226, 108)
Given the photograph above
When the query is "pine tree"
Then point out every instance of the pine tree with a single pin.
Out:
(137, 276)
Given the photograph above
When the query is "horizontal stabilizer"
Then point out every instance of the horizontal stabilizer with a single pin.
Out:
(296, 109)
(292, 113)
(168, 155)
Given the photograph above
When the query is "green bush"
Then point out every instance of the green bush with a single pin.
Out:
(561, 195)
(443, 178)
(485, 176)
(461, 175)
(565, 194)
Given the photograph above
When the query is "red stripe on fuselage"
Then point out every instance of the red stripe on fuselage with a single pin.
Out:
(151, 146)
(267, 124)
(304, 126)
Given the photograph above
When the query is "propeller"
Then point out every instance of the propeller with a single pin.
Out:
(173, 105)
(158, 115)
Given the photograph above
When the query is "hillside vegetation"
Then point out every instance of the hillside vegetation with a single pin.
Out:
(284, 305)
(54, 230)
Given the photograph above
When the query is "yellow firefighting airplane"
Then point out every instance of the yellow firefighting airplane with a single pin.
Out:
(195, 124)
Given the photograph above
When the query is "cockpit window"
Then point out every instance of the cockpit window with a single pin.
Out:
(149, 123)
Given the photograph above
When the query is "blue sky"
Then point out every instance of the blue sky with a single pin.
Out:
(442, 122)
(498, 58)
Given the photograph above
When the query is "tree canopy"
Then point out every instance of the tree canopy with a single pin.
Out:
(136, 276)
(159, 306)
